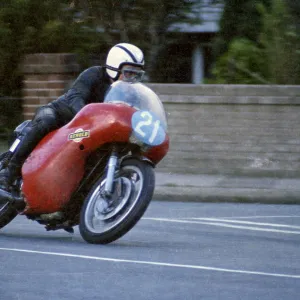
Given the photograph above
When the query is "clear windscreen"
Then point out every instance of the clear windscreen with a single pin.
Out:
(137, 95)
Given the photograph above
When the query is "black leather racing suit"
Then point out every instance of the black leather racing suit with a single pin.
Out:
(90, 86)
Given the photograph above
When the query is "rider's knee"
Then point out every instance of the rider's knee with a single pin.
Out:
(46, 119)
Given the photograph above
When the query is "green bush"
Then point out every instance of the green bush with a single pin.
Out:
(280, 38)
(243, 63)
(270, 54)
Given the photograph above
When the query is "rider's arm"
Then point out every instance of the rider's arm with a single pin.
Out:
(80, 92)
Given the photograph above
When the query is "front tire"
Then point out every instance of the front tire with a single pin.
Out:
(102, 222)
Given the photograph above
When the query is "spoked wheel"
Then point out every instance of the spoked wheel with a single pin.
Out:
(102, 220)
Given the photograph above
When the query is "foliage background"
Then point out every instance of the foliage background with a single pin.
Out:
(85, 27)
(88, 28)
(258, 41)
(32, 26)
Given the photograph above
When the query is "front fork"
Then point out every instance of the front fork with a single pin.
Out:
(111, 170)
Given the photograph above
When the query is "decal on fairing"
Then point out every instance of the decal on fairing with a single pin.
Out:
(147, 128)
(79, 135)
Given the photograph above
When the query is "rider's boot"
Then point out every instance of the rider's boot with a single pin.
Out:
(20, 153)
(9, 175)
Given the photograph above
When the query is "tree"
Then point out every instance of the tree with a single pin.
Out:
(144, 22)
(85, 27)
(30, 26)
(240, 19)
(268, 51)
(243, 63)
(280, 40)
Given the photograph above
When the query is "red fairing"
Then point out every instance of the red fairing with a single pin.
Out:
(157, 153)
(56, 166)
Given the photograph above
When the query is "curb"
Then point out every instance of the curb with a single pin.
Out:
(219, 195)
(219, 188)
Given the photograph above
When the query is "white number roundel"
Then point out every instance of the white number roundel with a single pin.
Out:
(147, 128)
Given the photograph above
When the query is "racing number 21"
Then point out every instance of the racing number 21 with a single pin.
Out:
(142, 127)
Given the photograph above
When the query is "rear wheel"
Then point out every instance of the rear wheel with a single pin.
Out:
(103, 221)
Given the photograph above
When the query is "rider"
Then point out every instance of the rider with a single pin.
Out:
(124, 62)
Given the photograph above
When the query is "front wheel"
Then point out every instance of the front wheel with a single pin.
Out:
(103, 221)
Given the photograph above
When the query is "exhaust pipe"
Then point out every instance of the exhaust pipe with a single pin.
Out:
(5, 197)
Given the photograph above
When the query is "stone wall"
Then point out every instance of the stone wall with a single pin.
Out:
(214, 129)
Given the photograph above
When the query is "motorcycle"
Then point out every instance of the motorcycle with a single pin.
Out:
(97, 171)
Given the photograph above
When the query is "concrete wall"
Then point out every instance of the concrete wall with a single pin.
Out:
(232, 129)
(214, 129)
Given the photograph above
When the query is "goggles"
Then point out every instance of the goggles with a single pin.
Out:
(132, 75)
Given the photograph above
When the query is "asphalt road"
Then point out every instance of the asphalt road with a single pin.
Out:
(177, 251)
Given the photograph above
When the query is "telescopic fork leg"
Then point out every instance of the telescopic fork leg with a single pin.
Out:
(112, 166)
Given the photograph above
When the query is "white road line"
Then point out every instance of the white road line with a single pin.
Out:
(162, 264)
(261, 217)
(244, 222)
(223, 225)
